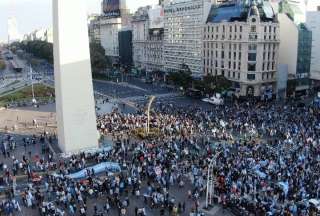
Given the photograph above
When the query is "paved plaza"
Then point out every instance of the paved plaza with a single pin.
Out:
(166, 175)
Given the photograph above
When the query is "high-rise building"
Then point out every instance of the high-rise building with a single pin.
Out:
(147, 27)
(94, 29)
(115, 15)
(13, 33)
(288, 50)
(241, 43)
(304, 58)
(295, 9)
(125, 47)
(313, 23)
(183, 22)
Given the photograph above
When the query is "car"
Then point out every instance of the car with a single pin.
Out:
(215, 100)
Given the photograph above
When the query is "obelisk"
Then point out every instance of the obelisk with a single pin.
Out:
(75, 105)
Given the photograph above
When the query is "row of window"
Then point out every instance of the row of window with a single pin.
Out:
(216, 45)
(216, 29)
(236, 28)
(228, 74)
(222, 54)
(266, 66)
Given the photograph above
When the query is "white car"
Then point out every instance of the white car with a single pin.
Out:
(215, 100)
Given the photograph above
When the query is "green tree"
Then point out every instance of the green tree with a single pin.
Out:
(212, 84)
(99, 62)
(2, 65)
(182, 78)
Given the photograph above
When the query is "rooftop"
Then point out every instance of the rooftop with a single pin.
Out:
(240, 11)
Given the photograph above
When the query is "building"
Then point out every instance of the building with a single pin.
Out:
(147, 26)
(140, 28)
(304, 58)
(313, 23)
(295, 9)
(295, 52)
(115, 16)
(13, 33)
(40, 35)
(241, 43)
(182, 46)
(288, 50)
(125, 48)
(94, 30)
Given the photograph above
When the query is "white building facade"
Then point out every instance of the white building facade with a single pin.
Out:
(288, 50)
(183, 22)
(115, 17)
(94, 28)
(147, 27)
(109, 29)
(243, 49)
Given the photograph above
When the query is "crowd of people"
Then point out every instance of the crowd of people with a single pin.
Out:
(267, 162)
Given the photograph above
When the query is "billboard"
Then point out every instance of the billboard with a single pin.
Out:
(156, 17)
(111, 8)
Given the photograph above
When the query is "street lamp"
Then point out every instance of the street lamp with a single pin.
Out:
(210, 180)
(34, 101)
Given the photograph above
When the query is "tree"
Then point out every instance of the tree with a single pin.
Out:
(99, 62)
(2, 65)
(213, 84)
(181, 78)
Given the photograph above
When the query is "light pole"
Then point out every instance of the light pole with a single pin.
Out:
(34, 101)
(210, 180)
(148, 114)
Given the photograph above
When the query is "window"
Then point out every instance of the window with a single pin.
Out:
(252, 56)
(251, 67)
(251, 76)
(253, 29)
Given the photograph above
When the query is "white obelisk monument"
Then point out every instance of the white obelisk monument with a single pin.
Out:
(75, 105)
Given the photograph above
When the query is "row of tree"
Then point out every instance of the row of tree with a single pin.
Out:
(208, 84)
(39, 49)
(44, 50)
